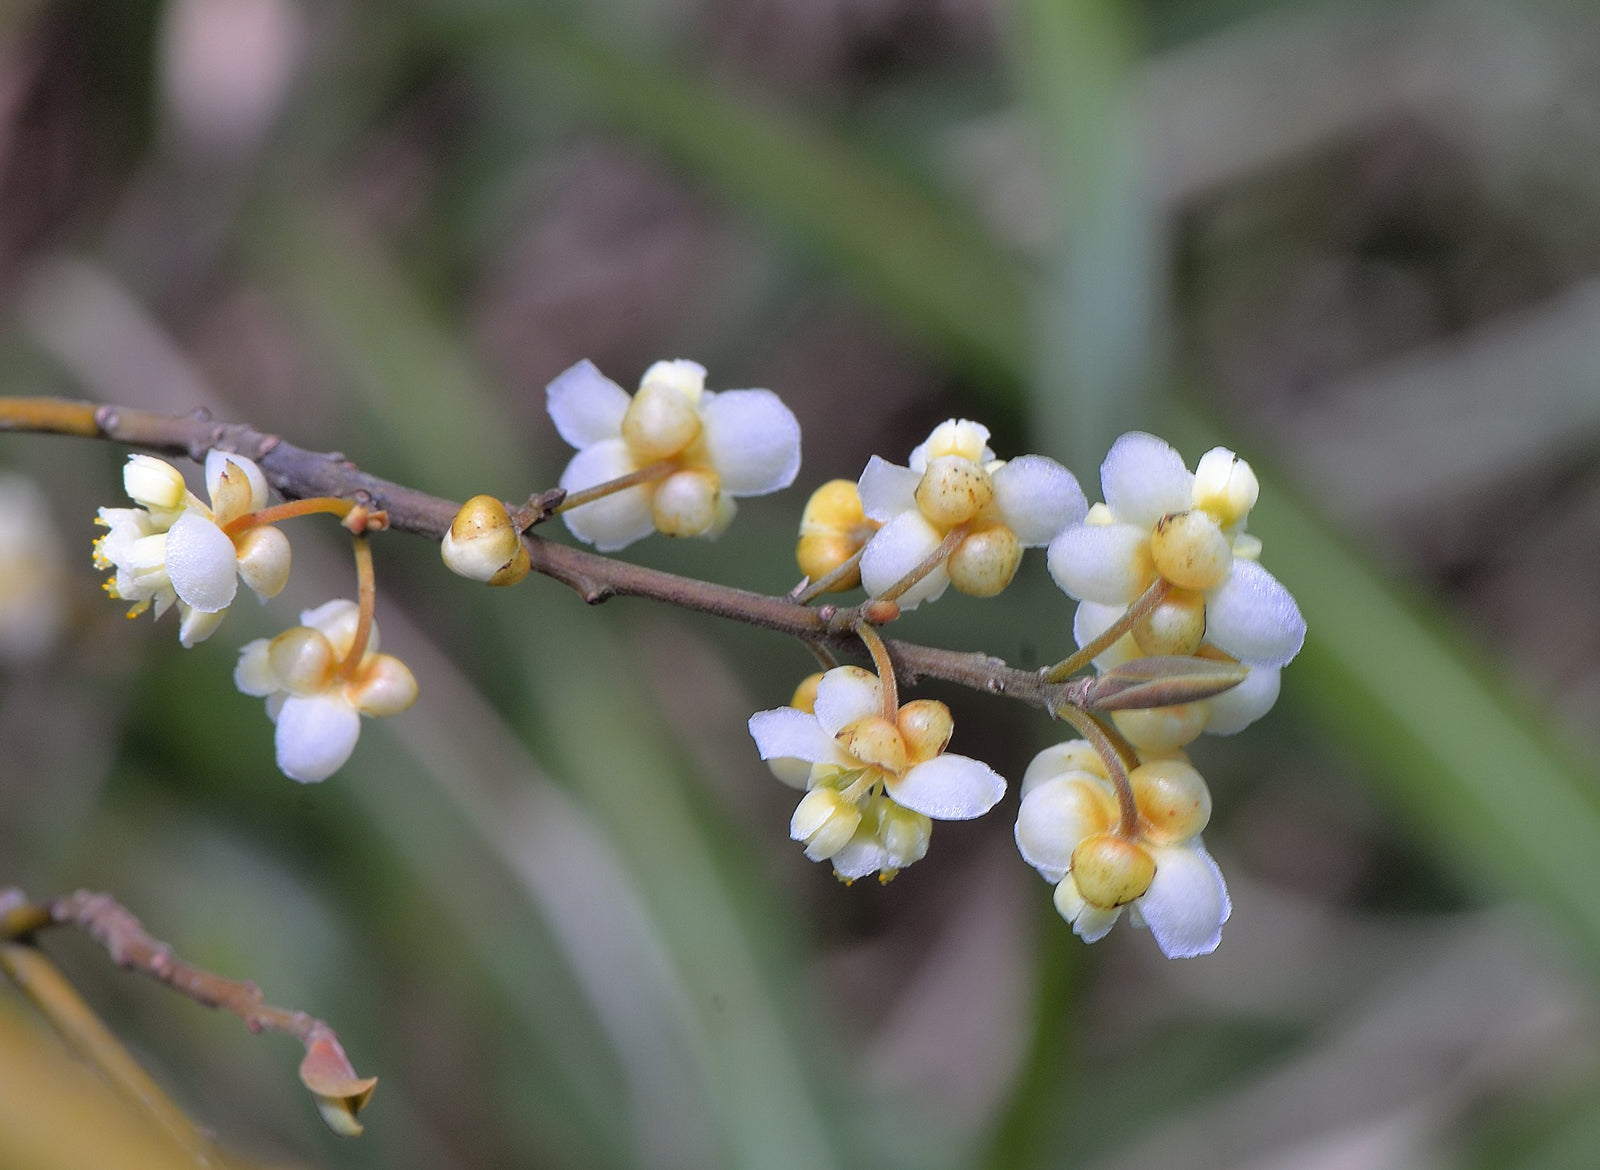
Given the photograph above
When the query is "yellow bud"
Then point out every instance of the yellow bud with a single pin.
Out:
(302, 660)
(1176, 625)
(660, 422)
(818, 556)
(925, 727)
(685, 503)
(385, 686)
(1189, 549)
(805, 695)
(1225, 486)
(515, 569)
(1111, 871)
(984, 563)
(263, 554)
(824, 821)
(1173, 800)
(833, 508)
(482, 540)
(874, 740)
(953, 490)
(153, 483)
(1161, 729)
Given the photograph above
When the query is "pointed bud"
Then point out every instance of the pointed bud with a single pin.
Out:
(327, 1072)
(1161, 681)
(263, 554)
(482, 540)
(1111, 871)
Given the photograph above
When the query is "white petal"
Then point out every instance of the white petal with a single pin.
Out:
(845, 694)
(153, 482)
(1054, 818)
(217, 461)
(948, 788)
(1073, 755)
(585, 405)
(195, 626)
(897, 548)
(252, 674)
(1092, 923)
(753, 440)
(1091, 620)
(788, 732)
(336, 621)
(315, 736)
(1254, 618)
(863, 854)
(1037, 498)
(617, 520)
(955, 436)
(1233, 711)
(792, 770)
(1187, 902)
(1144, 479)
(1107, 563)
(201, 563)
(887, 489)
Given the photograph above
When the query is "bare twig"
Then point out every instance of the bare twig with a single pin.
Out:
(326, 1071)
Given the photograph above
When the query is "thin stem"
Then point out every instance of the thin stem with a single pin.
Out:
(367, 594)
(929, 563)
(50, 416)
(1092, 730)
(828, 580)
(873, 641)
(288, 511)
(1089, 651)
(825, 657)
(646, 474)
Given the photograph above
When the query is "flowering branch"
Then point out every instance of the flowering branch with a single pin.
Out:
(325, 1071)
(301, 474)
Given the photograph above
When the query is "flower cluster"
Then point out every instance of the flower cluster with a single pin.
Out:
(176, 550)
(672, 457)
(878, 774)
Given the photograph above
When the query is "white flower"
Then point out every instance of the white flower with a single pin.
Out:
(1158, 519)
(1067, 829)
(874, 783)
(32, 609)
(736, 443)
(954, 479)
(173, 548)
(316, 704)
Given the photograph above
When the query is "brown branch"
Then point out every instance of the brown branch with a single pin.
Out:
(326, 1071)
(299, 474)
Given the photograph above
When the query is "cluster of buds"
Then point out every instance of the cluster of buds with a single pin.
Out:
(176, 550)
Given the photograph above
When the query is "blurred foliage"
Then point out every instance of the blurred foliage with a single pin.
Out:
(554, 906)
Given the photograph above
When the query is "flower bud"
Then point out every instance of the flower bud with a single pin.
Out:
(263, 554)
(874, 740)
(1176, 625)
(805, 695)
(302, 660)
(818, 556)
(1225, 486)
(685, 503)
(1173, 800)
(1160, 729)
(824, 821)
(957, 436)
(984, 563)
(925, 727)
(1111, 871)
(482, 540)
(1189, 550)
(385, 686)
(953, 490)
(153, 483)
(660, 422)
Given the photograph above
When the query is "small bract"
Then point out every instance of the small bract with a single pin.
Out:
(700, 450)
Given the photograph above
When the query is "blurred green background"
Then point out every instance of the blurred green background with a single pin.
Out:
(554, 906)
